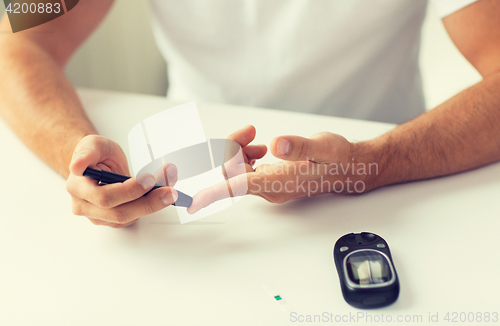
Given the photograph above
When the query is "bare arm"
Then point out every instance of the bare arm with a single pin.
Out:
(41, 106)
(36, 99)
(462, 133)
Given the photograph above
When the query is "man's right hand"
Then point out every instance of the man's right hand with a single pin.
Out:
(116, 205)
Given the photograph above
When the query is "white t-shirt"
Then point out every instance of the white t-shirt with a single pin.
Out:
(348, 58)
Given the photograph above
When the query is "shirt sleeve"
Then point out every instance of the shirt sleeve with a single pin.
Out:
(447, 7)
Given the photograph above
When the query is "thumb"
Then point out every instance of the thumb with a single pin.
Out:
(323, 147)
(86, 154)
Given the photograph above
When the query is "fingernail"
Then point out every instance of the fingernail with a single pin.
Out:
(171, 172)
(167, 198)
(283, 146)
(146, 181)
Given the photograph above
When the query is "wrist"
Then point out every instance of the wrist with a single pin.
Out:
(369, 158)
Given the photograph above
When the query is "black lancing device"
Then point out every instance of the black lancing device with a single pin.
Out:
(106, 177)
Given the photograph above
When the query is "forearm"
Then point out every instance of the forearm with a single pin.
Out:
(461, 134)
(39, 103)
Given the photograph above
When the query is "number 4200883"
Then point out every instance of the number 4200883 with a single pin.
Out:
(455, 317)
(33, 8)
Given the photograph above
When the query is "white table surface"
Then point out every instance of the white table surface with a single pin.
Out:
(59, 269)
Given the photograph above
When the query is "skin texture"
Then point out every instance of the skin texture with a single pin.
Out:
(120, 204)
(458, 135)
(41, 106)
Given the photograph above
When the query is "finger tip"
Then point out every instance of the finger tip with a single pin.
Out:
(274, 141)
(282, 147)
(175, 194)
(251, 129)
(193, 209)
(171, 172)
(272, 148)
(264, 150)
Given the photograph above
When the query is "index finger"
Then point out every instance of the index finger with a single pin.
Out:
(110, 195)
(244, 136)
(237, 186)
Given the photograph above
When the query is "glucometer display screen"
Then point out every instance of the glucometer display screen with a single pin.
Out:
(368, 267)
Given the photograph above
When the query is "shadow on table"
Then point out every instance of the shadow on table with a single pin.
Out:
(264, 230)
(381, 207)
(329, 216)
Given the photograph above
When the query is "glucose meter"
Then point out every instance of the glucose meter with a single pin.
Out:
(367, 275)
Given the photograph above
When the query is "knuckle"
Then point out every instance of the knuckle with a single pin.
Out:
(98, 141)
(104, 201)
(130, 191)
(76, 208)
(70, 186)
(135, 191)
(303, 150)
(323, 136)
(96, 222)
(118, 216)
(149, 207)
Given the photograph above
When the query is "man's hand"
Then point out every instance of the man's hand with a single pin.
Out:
(250, 153)
(323, 163)
(120, 204)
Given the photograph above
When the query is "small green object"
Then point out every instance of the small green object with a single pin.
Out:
(277, 297)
